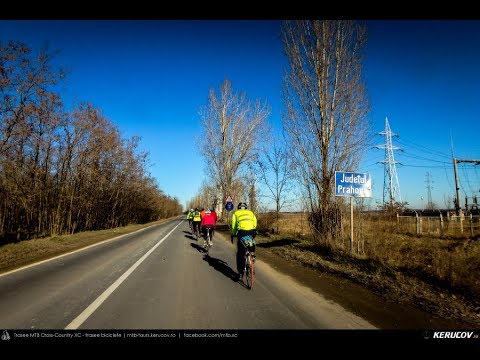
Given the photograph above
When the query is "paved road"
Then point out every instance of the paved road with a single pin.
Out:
(159, 278)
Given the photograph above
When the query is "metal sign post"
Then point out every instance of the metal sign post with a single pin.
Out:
(351, 224)
(229, 207)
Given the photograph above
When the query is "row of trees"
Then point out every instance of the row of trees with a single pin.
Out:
(65, 171)
(325, 125)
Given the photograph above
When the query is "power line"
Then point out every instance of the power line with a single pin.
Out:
(423, 148)
(467, 179)
(426, 158)
(448, 180)
(423, 166)
(422, 158)
(458, 208)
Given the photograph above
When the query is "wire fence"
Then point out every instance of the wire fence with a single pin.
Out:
(453, 225)
(365, 223)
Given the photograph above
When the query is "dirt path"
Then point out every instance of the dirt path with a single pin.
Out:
(383, 313)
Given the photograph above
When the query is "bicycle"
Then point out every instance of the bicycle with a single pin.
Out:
(249, 269)
(207, 243)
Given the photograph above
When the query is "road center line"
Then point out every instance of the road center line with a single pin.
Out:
(80, 319)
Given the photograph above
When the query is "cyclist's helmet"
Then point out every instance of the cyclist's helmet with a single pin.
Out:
(212, 209)
(242, 205)
(196, 209)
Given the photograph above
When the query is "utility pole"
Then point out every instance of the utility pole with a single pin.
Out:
(458, 208)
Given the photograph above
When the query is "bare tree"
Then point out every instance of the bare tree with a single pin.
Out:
(29, 117)
(62, 172)
(233, 127)
(274, 168)
(206, 197)
(326, 108)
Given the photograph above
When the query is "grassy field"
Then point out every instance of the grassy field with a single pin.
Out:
(440, 274)
(452, 262)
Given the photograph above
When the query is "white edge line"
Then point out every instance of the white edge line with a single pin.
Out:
(80, 319)
(78, 250)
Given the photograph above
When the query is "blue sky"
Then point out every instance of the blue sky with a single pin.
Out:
(150, 78)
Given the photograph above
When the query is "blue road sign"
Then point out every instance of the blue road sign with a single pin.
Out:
(353, 184)
(229, 206)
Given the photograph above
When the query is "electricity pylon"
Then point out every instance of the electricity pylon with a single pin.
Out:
(391, 187)
(429, 181)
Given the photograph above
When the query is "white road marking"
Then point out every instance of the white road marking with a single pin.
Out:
(80, 319)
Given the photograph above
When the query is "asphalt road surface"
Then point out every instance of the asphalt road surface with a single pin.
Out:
(159, 278)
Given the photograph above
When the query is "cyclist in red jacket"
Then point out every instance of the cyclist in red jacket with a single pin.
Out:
(214, 214)
(209, 221)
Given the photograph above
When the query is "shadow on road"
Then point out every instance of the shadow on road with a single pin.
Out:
(221, 266)
(189, 236)
(198, 247)
(280, 242)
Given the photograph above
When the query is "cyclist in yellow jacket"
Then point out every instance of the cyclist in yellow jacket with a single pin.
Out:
(196, 220)
(244, 222)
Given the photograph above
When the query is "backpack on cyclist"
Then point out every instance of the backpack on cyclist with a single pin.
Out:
(248, 240)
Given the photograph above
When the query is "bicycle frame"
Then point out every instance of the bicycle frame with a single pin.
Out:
(208, 238)
(249, 269)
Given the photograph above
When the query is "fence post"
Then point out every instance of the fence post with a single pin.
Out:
(398, 223)
(462, 218)
(441, 224)
(418, 223)
(471, 225)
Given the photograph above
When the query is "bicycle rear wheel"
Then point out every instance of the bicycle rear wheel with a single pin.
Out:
(250, 271)
(207, 242)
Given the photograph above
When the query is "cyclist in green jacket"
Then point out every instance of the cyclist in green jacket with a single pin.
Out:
(196, 221)
(244, 222)
(190, 218)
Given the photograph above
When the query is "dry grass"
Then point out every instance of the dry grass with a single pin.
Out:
(22, 253)
(292, 224)
(452, 261)
(441, 275)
